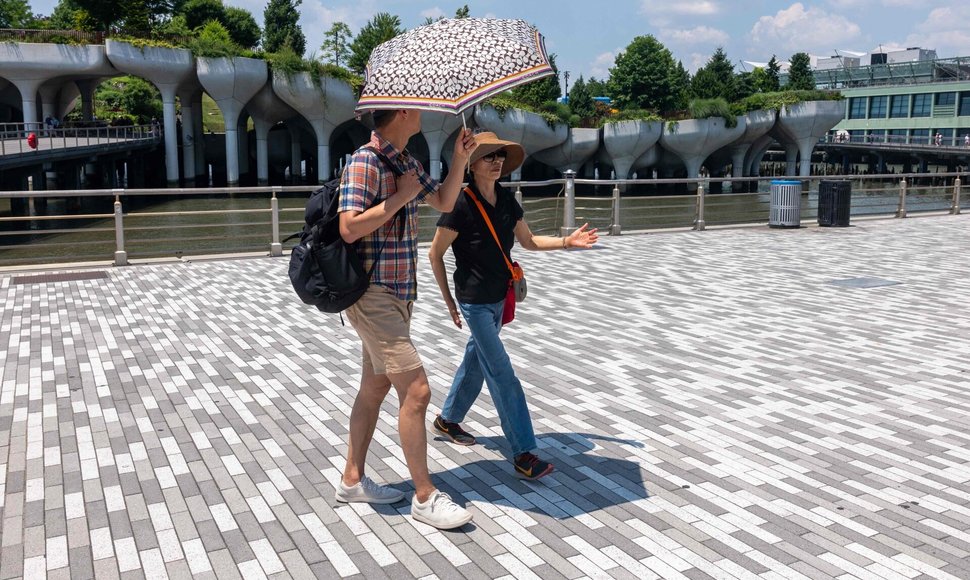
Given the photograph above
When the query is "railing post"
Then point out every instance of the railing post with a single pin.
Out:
(518, 194)
(699, 223)
(901, 211)
(121, 256)
(615, 226)
(955, 208)
(569, 214)
(276, 248)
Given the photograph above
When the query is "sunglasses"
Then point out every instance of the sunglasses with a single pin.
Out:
(499, 156)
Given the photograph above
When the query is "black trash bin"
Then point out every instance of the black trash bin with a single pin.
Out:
(834, 203)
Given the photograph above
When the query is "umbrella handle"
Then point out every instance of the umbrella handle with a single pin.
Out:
(464, 126)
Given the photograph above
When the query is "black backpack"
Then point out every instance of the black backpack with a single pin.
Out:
(326, 271)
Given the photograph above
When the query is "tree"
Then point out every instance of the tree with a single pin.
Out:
(715, 79)
(131, 15)
(745, 85)
(642, 75)
(281, 26)
(597, 88)
(539, 92)
(104, 12)
(381, 28)
(68, 16)
(242, 27)
(772, 71)
(198, 12)
(336, 47)
(680, 86)
(15, 14)
(800, 77)
(581, 103)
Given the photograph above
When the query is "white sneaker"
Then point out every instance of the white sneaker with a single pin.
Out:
(366, 491)
(440, 511)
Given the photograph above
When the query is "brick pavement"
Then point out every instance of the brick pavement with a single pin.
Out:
(715, 405)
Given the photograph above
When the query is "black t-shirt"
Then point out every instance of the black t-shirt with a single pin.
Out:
(481, 274)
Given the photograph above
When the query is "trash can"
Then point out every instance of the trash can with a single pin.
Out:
(785, 210)
(834, 203)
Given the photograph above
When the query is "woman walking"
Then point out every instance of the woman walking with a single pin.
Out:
(482, 254)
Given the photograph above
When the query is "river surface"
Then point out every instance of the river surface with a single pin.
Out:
(242, 223)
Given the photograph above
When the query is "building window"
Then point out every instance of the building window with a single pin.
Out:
(920, 136)
(877, 136)
(921, 105)
(857, 108)
(897, 136)
(877, 107)
(899, 106)
(945, 99)
(964, 104)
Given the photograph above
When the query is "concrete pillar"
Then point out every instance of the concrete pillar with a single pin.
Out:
(296, 154)
(171, 135)
(188, 136)
(262, 150)
(243, 143)
(87, 88)
(201, 171)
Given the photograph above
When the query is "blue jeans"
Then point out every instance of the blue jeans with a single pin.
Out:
(486, 361)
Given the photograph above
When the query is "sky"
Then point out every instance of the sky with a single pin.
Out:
(586, 35)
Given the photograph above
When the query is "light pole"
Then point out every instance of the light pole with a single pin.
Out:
(565, 76)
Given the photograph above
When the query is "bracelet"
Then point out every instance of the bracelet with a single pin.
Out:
(564, 243)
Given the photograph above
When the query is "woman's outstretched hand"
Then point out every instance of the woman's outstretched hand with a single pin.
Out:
(582, 238)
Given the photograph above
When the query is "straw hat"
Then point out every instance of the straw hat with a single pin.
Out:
(489, 143)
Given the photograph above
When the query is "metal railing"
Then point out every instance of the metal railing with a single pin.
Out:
(96, 225)
(15, 137)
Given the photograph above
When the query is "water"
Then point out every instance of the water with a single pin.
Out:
(242, 223)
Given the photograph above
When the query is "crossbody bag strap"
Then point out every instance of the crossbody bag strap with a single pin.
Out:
(488, 222)
(399, 215)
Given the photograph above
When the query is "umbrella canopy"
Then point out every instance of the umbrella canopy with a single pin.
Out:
(453, 64)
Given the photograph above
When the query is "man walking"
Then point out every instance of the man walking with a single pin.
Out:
(370, 197)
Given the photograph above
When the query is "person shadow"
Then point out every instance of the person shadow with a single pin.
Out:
(590, 476)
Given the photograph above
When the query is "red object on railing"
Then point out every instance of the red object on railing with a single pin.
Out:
(32, 140)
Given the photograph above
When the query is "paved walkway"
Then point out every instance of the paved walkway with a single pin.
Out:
(716, 408)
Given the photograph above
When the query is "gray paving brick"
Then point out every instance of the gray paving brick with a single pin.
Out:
(776, 396)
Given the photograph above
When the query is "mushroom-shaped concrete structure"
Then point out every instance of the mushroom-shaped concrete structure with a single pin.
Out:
(528, 129)
(166, 68)
(28, 66)
(756, 124)
(626, 141)
(693, 140)
(572, 153)
(800, 126)
(324, 104)
(436, 128)
(649, 159)
(266, 110)
(231, 82)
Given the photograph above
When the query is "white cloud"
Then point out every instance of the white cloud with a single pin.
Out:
(698, 35)
(945, 29)
(797, 29)
(601, 65)
(433, 13)
(657, 8)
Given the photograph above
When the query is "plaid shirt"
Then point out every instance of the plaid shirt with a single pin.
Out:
(366, 181)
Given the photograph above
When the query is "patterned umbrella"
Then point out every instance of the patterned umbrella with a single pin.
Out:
(453, 64)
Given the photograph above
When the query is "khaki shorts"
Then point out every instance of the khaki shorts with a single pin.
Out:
(383, 323)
